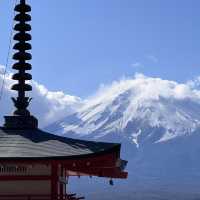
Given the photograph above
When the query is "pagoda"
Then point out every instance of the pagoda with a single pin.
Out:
(34, 164)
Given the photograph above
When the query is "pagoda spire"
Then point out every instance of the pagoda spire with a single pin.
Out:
(21, 56)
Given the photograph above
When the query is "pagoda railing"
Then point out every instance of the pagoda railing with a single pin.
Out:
(40, 197)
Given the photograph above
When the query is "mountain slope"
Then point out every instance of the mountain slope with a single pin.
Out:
(139, 110)
(158, 123)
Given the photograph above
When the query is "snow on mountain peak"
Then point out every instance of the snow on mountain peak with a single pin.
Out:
(135, 108)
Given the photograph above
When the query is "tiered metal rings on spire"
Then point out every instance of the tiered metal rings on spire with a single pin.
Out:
(22, 119)
(22, 56)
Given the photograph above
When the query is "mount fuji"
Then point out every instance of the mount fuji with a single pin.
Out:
(158, 123)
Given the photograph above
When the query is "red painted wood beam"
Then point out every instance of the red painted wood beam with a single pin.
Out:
(106, 172)
(107, 160)
(31, 178)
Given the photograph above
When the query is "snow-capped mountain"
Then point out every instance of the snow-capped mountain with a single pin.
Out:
(140, 109)
(158, 123)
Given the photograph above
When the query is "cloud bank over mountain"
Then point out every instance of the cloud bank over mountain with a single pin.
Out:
(130, 107)
(50, 106)
(148, 88)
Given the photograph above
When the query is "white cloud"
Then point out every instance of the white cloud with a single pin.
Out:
(2, 69)
(153, 58)
(148, 88)
(47, 106)
(136, 65)
(195, 83)
(50, 106)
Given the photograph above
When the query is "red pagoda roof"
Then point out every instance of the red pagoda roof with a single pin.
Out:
(78, 157)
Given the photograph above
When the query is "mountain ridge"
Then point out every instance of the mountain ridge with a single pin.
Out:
(158, 123)
(127, 110)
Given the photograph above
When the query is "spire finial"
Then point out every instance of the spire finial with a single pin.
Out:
(21, 56)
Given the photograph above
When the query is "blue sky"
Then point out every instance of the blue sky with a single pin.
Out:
(78, 45)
